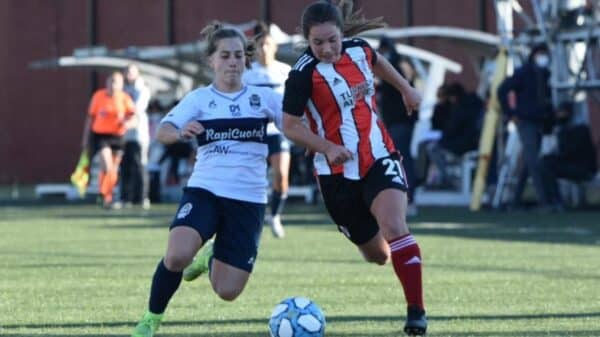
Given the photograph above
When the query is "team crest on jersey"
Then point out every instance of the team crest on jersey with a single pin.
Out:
(184, 210)
(212, 104)
(254, 101)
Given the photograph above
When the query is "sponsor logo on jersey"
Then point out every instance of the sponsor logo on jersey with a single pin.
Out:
(234, 134)
(356, 93)
(240, 129)
(336, 81)
(235, 110)
(348, 99)
(212, 104)
(184, 210)
(221, 149)
(254, 101)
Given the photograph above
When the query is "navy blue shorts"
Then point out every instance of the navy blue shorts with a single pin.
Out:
(277, 143)
(348, 202)
(236, 225)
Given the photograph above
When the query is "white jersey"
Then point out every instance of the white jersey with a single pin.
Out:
(273, 77)
(231, 156)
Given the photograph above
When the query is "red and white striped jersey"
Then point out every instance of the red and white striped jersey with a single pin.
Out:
(338, 100)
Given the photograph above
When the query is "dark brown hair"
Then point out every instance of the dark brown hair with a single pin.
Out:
(260, 29)
(342, 15)
(216, 31)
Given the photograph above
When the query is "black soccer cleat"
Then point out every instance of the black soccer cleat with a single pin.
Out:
(416, 322)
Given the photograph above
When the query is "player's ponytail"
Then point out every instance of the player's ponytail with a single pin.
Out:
(342, 15)
(216, 31)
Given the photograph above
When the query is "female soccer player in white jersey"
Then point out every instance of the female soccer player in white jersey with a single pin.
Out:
(359, 171)
(226, 194)
(266, 71)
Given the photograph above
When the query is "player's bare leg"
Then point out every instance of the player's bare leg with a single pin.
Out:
(183, 244)
(227, 281)
(280, 167)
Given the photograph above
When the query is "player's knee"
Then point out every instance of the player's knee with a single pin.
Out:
(177, 262)
(393, 227)
(227, 293)
(379, 257)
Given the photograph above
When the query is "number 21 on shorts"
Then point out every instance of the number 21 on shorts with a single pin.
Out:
(393, 168)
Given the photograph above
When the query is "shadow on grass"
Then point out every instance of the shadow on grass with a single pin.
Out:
(575, 227)
(330, 319)
(519, 333)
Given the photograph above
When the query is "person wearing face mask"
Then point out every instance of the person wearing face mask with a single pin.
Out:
(525, 98)
(226, 194)
(358, 169)
(574, 158)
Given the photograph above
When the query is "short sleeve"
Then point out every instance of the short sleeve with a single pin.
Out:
(274, 104)
(298, 88)
(185, 111)
(93, 108)
(369, 51)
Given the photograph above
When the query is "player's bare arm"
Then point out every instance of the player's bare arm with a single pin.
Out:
(168, 134)
(296, 130)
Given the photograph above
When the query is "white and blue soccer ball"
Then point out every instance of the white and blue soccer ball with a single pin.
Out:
(297, 317)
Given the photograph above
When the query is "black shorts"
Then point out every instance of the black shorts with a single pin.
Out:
(349, 201)
(100, 140)
(237, 225)
(277, 143)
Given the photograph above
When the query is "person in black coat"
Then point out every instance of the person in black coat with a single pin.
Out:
(574, 160)
(399, 123)
(525, 98)
(460, 128)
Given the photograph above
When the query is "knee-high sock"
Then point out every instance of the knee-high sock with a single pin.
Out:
(101, 177)
(164, 285)
(108, 184)
(406, 258)
(277, 202)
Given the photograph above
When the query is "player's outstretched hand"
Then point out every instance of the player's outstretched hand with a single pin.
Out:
(412, 99)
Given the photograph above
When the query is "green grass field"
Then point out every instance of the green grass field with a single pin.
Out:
(81, 271)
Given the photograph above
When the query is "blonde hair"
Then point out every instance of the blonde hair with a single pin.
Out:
(216, 31)
(342, 15)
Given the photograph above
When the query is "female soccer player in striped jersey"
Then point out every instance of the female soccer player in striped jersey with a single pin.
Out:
(226, 194)
(358, 169)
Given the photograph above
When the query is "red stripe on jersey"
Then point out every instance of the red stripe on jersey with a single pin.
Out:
(387, 140)
(369, 53)
(331, 115)
(361, 113)
(311, 122)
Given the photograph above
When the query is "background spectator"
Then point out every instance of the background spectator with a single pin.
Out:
(574, 159)
(458, 118)
(134, 175)
(399, 123)
(525, 98)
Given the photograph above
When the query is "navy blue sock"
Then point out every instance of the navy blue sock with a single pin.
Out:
(164, 285)
(277, 202)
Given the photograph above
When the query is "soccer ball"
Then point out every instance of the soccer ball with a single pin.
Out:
(297, 317)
